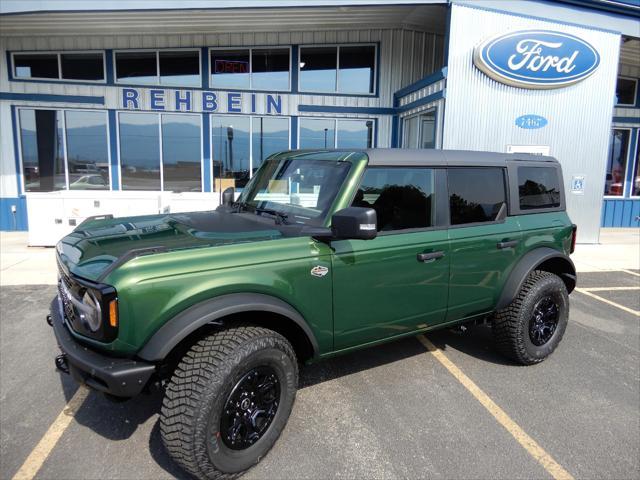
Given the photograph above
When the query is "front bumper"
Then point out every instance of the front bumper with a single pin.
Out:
(121, 377)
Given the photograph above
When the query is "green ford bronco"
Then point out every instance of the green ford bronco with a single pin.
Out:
(322, 253)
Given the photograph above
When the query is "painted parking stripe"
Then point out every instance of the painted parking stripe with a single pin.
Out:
(43, 449)
(606, 289)
(529, 444)
(631, 273)
(608, 302)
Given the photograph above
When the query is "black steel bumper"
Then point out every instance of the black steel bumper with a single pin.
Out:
(121, 377)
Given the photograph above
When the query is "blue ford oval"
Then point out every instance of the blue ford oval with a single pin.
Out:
(536, 59)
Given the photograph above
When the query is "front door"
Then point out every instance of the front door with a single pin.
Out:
(398, 282)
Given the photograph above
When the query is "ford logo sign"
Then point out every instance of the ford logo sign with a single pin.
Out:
(537, 59)
(530, 121)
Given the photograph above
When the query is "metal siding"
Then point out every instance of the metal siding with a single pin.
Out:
(481, 112)
(624, 212)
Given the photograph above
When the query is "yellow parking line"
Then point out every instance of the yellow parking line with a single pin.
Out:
(43, 449)
(608, 302)
(528, 443)
(605, 289)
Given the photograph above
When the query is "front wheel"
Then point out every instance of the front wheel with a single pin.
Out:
(531, 327)
(228, 401)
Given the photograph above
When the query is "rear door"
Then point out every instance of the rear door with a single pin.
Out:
(484, 241)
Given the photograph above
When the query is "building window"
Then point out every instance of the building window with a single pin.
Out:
(470, 201)
(87, 150)
(64, 149)
(635, 188)
(178, 68)
(323, 133)
(251, 68)
(269, 135)
(160, 152)
(419, 131)
(617, 162)
(538, 187)
(626, 91)
(346, 69)
(74, 66)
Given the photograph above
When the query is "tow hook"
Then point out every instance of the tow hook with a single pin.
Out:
(61, 363)
(49, 320)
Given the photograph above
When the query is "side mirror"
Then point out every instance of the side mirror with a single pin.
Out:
(354, 223)
(228, 196)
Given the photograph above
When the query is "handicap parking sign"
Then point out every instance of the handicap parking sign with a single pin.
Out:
(577, 184)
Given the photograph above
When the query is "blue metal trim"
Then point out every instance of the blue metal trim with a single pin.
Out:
(422, 83)
(295, 68)
(447, 38)
(206, 151)
(374, 140)
(631, 153)
(339, 109)
(9, 66)
(204, 67)
(422, 101)
(394, 131)
(534, 17)
(113, 150)
(626, 119)
(294, 132)
(9, 222)
(611, 6)
(108, 60)
(16, 148)
(621, 212)
(45, 97)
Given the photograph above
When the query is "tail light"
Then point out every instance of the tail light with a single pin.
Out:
(574, 234)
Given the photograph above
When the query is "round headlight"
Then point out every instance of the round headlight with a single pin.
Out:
(92, 316)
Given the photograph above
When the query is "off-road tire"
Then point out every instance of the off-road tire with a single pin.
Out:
(511, 324)
(201, 384)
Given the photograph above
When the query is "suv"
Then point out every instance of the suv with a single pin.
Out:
(324, 252)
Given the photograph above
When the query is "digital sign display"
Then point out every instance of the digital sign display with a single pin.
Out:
(231, 66)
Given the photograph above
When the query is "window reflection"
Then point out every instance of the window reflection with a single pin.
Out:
(355, 74)
(617, 162)
(139, 151)
(317, 133)
(87, 150)
(42, 150)
(470, 201)
(137, 67)
(230, 68)
(181, 68)
(318, 69)
(82, 66)
(230, 151)
(36, 65)
(181, 153)
(270, 69)
(355, 133)
(270, 135)
(636, 175)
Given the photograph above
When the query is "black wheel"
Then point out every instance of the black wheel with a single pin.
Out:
(228, 401)
(531, 327)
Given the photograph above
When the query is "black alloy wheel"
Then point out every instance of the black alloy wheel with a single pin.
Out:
(544, 321)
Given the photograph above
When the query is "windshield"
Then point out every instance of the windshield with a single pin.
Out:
(299, 188)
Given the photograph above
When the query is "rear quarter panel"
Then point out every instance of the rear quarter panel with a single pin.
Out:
(551, 229)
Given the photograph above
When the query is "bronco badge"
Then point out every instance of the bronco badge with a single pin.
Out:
(319, 271)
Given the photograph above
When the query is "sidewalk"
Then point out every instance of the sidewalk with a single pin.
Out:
(21, 265)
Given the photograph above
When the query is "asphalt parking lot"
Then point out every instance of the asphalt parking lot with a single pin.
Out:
(393, 411)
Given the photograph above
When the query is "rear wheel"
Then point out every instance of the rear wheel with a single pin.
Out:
(228, 401)
(531, 327)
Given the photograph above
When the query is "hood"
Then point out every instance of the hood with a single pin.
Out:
(95, 246)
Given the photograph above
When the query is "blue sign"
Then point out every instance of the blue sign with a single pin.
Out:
(536, 59)
(531, 121)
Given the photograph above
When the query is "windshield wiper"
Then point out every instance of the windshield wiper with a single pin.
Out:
(281, 218)
(240, 206)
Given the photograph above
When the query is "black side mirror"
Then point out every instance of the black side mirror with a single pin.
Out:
(354, 223)
(228, 196)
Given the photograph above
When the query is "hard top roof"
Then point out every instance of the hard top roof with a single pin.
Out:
(424, 157)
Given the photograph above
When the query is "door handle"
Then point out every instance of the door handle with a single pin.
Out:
(428, 257)
(508, 244)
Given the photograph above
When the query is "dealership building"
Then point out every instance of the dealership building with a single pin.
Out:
(159, 107)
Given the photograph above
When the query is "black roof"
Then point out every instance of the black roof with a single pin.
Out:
(423, 157)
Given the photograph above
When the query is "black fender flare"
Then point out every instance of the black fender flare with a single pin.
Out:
(188, 321)
(529, 262)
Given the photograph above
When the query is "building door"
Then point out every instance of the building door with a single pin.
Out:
(419, 131)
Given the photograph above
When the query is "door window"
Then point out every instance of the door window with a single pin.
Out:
(403, 198)
(475, 194)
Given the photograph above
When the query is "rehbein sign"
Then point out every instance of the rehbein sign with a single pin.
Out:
(536, 59)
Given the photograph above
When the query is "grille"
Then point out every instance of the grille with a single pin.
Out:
(69, 312)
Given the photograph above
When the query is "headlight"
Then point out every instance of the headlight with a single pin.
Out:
(91, 315)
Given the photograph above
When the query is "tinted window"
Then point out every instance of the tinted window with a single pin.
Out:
(137, 67)
(626, 91)
(538, 187)
(139, 151)
(230, 151)
(475, 194)
(181, 153)
(180, 68)
(270, 69)
(230, 68)
(270, 135)
(636, 175)
(357, 64)
(317, 133)
(36, 65)
(617, 162)
(82, 66)
(87, 150)
(403, 198)
(318, 69)
(42, 150)
(355, 133)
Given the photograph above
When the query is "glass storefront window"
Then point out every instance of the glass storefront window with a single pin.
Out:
(139, 151)
(36, 65)
(181, 171)
(180, 68)
(137, 67)
(419, 131)
(230, 69)
(87, 150)
(635, 187)
(82, 66)
(60, 66)
(42, 144)
(626, 91)
(355, 133)
(318, 69)
(270, 69)
(269, 135)
(230, 151)
(317, 133)
(617, 162)
(355, 72)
